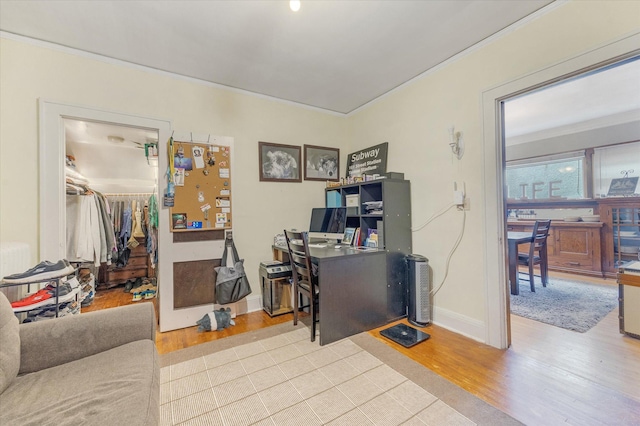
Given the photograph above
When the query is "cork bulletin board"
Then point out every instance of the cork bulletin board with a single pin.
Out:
(202, 178)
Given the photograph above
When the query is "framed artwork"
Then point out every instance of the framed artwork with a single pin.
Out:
(348, 235)
(279, 163)
(179, 220)
(625, 186)
(321, 163)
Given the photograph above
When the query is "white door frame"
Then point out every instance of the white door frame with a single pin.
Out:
(495, 253)
(52, 154)
(52, 175)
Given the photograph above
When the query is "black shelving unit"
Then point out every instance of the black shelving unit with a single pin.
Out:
(393, 226)
(395, 220)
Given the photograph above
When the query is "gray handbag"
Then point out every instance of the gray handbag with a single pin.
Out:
(231, 282)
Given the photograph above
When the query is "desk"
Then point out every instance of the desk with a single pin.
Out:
(354, 292)
(515, 239)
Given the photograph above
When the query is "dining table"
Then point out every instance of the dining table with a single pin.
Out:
(515, 239)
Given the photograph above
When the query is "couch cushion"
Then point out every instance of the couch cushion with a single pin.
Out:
(9, 344)
(117, 387)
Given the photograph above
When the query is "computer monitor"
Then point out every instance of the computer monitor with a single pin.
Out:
(328, 223)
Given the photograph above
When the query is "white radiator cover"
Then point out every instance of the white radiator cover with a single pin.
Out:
(14, 257)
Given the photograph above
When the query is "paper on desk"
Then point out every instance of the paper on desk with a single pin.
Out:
(632, 268)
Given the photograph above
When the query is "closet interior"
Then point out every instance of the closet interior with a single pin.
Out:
(112, 208)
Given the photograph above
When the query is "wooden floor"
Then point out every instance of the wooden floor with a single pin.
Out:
(549, 376)
(186, 337)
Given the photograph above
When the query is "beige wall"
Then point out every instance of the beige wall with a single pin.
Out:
(261, 210)
(413, 119)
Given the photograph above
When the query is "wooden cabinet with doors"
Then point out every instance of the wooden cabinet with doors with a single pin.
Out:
(621, 232)
(573, 247)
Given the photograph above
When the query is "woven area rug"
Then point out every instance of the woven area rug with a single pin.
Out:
(276, 376)
(573, 305)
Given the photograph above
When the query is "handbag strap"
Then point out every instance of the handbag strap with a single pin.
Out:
(235, 255)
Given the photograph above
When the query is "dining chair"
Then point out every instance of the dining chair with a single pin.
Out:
(537, 253)
(305, 282)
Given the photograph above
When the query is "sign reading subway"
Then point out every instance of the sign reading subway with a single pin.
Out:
(369, 161)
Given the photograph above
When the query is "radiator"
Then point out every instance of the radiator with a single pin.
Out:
(14, 257)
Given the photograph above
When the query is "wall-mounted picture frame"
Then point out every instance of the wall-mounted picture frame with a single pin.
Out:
(279, 163)
(321, 163)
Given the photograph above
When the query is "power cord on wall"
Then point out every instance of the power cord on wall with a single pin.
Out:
(453, 249)
(455, 245)
(435, 215)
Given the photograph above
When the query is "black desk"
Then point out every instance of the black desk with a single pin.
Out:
(354, 291)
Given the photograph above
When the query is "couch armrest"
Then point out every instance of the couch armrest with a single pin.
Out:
(49, 343)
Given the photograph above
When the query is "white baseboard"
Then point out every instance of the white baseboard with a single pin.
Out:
(445, 318)
(251, 303)
(460, 324)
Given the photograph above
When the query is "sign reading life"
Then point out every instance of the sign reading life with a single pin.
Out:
(369, 161)
(536, 187)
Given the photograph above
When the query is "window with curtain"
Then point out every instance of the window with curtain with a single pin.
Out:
(611, 162)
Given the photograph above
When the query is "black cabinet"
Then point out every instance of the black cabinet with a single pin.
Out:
(383, 205)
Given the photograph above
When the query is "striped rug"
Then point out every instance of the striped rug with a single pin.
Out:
(276, 376)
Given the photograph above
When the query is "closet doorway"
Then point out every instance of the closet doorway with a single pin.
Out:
(52, 185)
(111, 187)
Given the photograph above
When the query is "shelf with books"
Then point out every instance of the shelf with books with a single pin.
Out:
(383, 207)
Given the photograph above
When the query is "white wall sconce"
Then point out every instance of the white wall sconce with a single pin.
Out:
(294, 5)
(456, 142)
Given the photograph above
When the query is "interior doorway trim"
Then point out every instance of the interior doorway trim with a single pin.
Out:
(495, 253)
(52, 177)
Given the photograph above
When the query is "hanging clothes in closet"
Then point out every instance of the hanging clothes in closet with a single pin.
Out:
(128, 221)
(151, 223)
(134, 239)
(90, 236)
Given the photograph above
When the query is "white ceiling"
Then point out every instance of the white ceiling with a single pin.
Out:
(610, 96)
(334, 55)
(112, 157)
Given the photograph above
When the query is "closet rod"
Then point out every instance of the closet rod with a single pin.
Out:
(128, 194)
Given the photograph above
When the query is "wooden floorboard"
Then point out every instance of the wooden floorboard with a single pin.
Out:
(549, 375)
(186, 337)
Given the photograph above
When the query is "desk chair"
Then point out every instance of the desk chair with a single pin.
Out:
(304, 281)
(537, 253)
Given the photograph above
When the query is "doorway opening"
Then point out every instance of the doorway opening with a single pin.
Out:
(496, 253)
(53, 175)
(113, 168)
(565, 146)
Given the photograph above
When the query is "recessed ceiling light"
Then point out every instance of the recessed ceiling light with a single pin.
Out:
(294, 5)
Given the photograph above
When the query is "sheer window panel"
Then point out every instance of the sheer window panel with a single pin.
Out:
(609, 163)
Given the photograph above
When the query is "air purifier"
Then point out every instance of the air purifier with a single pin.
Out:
(419, 301)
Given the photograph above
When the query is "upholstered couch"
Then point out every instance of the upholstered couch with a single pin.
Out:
(98, 368)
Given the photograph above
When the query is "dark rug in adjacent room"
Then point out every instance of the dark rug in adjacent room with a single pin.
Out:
(573, 305)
